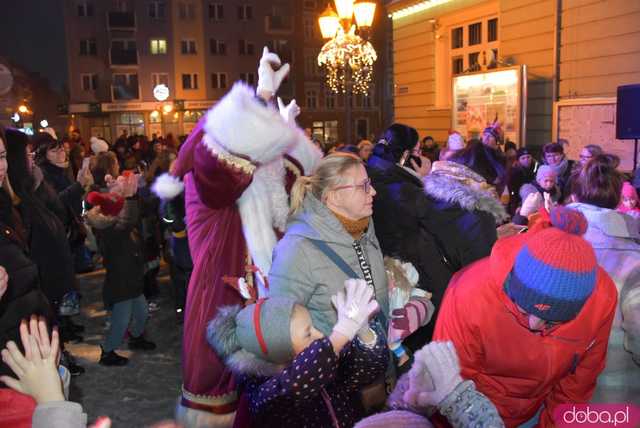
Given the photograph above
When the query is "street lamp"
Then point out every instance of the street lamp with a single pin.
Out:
(348, 56)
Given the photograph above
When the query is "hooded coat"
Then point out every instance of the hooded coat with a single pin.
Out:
(615, 239)
(303, 272)
(448, 215)
(517, 369)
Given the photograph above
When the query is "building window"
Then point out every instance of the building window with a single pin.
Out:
(88, 47)
(245, 48)
(125, 87)
(89, 82)
(157, 10)
(245, 12)
(217, 47)
(158, 46)
(457, 65)
(188, 47)
(329, 99)
(159, 79)
(219, 80)
(311, 99)
(85, 8)
(248, 78)
(493, 30)
(189, 81)
(475, 33)
(216, 12)
(494, 64)
(473, 61)
(187, 11)
(457, 40)
(309, 27)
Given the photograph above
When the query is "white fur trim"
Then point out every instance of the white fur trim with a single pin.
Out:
(263, 206)
(244, 126)
(167, 186)
(306, 153)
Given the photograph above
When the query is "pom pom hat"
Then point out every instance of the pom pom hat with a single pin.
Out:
(555, 271)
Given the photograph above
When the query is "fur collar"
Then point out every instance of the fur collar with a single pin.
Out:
(466, 189)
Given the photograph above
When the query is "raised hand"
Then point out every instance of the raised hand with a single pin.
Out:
(288, 112)
(269, 79)
(354, 306)
(434, 375)
(37, 369)
(4, 281)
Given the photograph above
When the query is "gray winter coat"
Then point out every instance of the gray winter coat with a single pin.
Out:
(616, 240)
(301, 271)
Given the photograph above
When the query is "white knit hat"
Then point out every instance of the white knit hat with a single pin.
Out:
(455, 142)
(98, 145)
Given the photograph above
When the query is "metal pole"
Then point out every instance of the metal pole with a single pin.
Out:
(347, 107)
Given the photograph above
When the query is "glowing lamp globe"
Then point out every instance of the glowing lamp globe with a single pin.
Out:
(329, 23)
(364, 10)
(344, 8)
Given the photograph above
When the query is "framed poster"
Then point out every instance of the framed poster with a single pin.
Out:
(584, 121)
(480, 98)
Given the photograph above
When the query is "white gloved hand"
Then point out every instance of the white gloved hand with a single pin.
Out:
(354, 307)
(434, 375)
(532, 203)
(289, 112)
(269, 80)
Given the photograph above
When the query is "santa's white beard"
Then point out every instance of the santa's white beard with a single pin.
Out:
(264, 206)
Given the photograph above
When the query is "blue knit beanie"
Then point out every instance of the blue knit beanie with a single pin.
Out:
(555, 271)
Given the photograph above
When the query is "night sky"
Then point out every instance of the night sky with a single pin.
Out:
(32, 36)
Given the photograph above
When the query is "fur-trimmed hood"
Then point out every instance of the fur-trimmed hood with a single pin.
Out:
(460, 185)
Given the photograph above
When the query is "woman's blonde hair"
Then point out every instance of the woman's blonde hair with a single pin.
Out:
(328, 175)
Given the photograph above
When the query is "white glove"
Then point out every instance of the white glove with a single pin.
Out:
(268, 79)
(289, 112)
(354, 307)
(434, 375)
(532, 203)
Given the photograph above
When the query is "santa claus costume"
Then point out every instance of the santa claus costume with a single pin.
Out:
(234, 170)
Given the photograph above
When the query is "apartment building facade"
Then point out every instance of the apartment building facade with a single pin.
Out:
(119, 51)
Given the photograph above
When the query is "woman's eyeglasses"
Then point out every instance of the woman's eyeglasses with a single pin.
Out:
(365, 186)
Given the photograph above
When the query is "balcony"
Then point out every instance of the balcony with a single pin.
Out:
(278, 25)
(125, 92)
(121, 21)
(123, 58)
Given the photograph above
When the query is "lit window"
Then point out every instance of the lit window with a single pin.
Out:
(158, 46)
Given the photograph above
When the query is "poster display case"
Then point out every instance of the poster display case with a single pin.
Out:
(480, 98)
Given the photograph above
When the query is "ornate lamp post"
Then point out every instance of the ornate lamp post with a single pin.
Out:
(348, 57)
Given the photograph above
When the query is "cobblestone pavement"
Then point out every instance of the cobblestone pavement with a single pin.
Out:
(144, 391)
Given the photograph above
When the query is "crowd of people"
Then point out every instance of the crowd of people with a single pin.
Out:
(395, 283)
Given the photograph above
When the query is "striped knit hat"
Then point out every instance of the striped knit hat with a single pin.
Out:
(555, 271)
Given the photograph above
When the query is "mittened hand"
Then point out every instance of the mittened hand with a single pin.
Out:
(269, 80)
(434, 375)
(354, 306)
(289, 112)
(405, 321)
(532, 203)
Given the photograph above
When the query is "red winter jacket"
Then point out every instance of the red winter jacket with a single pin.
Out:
(517, 369)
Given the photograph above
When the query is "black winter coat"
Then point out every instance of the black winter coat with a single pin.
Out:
(439, 232)
(121, 248)
(69, 192)
(23, 296)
